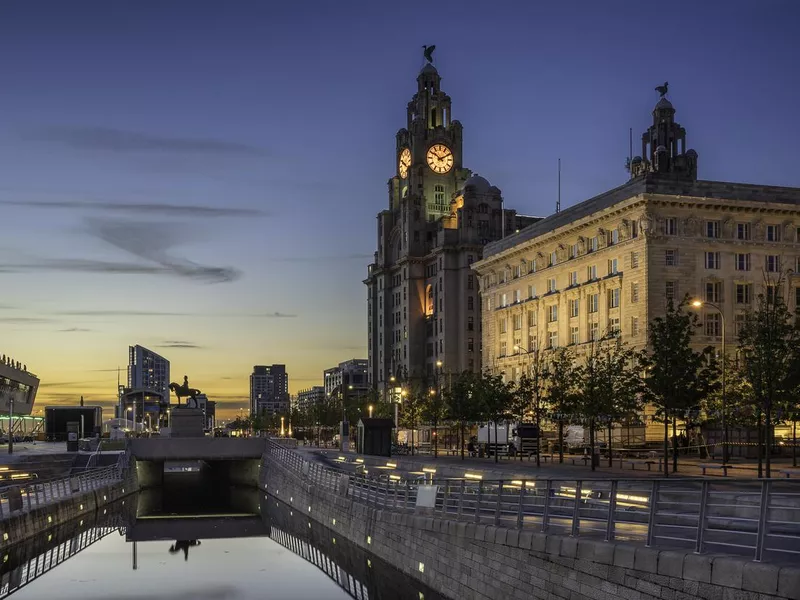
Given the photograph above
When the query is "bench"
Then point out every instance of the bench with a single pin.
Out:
(633, 462)
(718, 466)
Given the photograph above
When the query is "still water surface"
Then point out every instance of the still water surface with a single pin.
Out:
(134, 553)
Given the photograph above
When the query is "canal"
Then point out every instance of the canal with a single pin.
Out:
(247, 547)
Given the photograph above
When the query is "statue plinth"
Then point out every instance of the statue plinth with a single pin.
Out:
(187, 422)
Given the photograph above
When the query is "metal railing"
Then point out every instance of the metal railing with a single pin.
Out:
(755, 518)
(41, 493)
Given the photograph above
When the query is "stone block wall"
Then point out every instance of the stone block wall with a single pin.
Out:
(468, 560)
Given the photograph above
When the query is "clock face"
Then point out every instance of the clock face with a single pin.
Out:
(440, 158)
(405, 163)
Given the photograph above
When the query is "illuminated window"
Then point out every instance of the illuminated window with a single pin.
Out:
(429, 301)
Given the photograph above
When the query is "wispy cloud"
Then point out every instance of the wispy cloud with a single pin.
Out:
(139, 208)
(178, 344)
(142, 313)
(275, 315)
(121, 141)
(74, 330)
(24, 320)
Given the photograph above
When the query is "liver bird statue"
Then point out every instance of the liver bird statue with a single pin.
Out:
(428, 52)
(662, 89)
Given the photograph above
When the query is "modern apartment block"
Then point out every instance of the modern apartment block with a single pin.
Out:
(269, 390)
(311, 397)
(351, 374)
(148, 371)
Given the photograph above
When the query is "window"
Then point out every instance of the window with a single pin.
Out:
(739, 319)
(713, 291)
(613, 325)
(574, 307)
(593, 244)
(470, 282)
(744, 293)
(671, 258)
(670, 290)
(533, 266)
(743, 262)
(573, 336)
(773, 233)
(712, 260)
(470, 344)
(552, 313)
(591, 273)
(714, 324)
(634, 260)
(552, 339)
(773, 294)
(531, 318)
(517, 296)
(503, 300)
(797, 297)
(743, 231)
(470, 323)
(612, 266)
(712, 229)
(516, 271)
(531, 291)
(594, 331)
(470, 303)
(489, 303)
(634, 325)
(503, 348)
(533, 343)
(773, 263)
(671, 226)
(573, 250)
(553, 258)
(612, 237)
(613, 298)
(797, 235)
(438, 194)
(551, 285)
(634, 293)
(517, 322)
(503, 325)
(593, 302)
(573, 278)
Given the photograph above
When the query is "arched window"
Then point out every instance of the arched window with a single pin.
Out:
(429, 301)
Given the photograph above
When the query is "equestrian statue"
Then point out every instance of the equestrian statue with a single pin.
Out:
(184, 391)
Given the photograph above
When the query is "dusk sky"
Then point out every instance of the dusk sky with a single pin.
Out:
(202, 177)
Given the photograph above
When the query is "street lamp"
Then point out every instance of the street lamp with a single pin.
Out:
(700, 304)
(370, 410)
(282, 418)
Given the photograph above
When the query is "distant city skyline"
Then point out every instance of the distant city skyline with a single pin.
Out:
(205, 182)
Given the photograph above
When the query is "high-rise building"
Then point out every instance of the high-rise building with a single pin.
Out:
(311, 397)
(351, 373)
(148, 371)
(423, 302)
(269, 390)
(613, 261)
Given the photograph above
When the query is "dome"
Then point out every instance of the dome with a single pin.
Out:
(664, 104)
(481, 184)
(691, 152)
(428, 68)
(636, 159)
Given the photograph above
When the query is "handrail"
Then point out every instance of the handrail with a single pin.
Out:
(755, 518)
(43, 493)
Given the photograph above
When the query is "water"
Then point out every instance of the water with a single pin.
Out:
(235, 555)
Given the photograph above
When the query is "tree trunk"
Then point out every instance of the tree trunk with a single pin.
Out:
(666, 443)
(561, 441)
(496, 444)
(461, 427)
(794, 442)
(610, 429)
(760, 447)
(674, 444)
(591, 445)
(538, 440)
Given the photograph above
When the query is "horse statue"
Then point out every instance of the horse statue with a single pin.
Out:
(184, 391)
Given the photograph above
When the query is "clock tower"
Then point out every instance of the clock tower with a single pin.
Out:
(423, 302)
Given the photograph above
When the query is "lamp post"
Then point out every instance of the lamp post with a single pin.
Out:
(700, 304)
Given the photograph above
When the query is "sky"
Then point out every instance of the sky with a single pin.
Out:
(202, 177)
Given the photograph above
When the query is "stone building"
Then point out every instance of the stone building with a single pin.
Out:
(423, 300)
(611, 262)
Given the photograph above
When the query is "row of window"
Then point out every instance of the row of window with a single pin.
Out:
(742, 261)
(593, 333)
(741, 231)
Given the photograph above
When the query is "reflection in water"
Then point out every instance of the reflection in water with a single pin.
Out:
(233, 559)
(183, 545)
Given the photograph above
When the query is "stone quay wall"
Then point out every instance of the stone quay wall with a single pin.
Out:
(467, 560)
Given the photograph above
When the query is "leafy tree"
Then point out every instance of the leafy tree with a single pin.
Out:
(530, 399)
(411, 408)
(562, 391)
(608, 387)
(461, 403)
(434, 411)
(494, 397)
(676, 377)
(769, 338)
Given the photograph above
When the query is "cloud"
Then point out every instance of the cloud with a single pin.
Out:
(275, 315)
(142, 313)
(74, 330)
(121, 141)
(322, 258)
(163, 209)
(178, 344)
(24, 320)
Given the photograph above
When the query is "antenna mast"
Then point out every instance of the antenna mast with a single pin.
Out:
(558, 202)
(630, 144)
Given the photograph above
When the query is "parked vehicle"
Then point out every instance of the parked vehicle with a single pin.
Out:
(510, 439)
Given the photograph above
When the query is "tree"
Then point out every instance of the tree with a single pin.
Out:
(562, 391)
(676, 377)
(434, 410)
(769, 338)
(529, 398)
(460, 402)
(412, 405)
(609, 386)
(494, 399)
